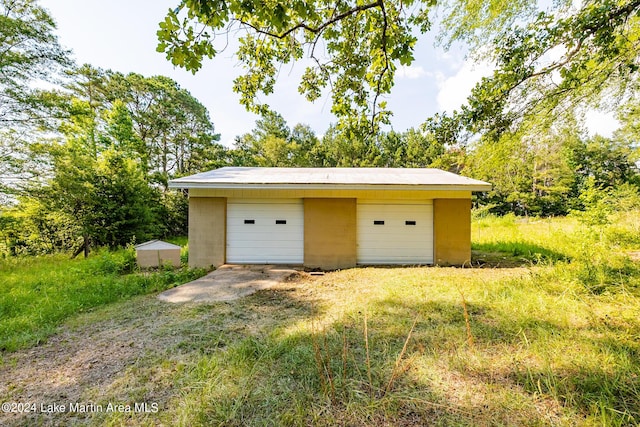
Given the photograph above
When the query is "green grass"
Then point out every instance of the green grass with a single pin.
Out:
(38, 293)
(543, 353)
(544, 329)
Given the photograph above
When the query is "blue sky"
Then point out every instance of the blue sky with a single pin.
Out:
(121, 35)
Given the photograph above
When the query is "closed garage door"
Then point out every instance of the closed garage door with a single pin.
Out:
(265, 232)
(392, 233)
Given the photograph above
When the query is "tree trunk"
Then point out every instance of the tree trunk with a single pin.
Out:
(86, 245)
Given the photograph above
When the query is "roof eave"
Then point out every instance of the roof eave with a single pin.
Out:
(258, 186)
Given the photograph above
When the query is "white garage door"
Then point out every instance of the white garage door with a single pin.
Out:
(265, 231)
(391, 233)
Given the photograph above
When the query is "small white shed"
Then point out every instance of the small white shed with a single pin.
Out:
(156, 253)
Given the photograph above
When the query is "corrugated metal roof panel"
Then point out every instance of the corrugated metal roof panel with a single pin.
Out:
(234, 177)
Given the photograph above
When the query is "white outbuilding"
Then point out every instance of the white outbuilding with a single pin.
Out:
(156, 253)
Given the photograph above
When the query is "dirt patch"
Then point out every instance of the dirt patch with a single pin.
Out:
(80, 357)
(228, 283)
(634, 255)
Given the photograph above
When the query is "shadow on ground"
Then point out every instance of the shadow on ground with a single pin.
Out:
(513, 254)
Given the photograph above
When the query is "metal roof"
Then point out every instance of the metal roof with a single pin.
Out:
(156, 245)
(348, 178)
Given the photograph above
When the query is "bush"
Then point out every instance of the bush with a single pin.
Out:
(114, 262)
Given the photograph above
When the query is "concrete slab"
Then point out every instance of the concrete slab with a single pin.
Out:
(229, 282)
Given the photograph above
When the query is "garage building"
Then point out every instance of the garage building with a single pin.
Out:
(329, 218)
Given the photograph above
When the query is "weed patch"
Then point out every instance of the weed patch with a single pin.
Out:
(38, 293)
(520, 251)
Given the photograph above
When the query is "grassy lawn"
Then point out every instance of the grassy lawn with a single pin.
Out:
(38, 293)
(544, 329)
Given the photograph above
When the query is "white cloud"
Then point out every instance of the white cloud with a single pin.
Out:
(603, 124)
(454, 90)
(410, 72)
(450, 61)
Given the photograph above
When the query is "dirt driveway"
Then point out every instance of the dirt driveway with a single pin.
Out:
(229, 282)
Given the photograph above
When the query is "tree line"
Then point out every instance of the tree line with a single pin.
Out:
(99, 172)
(542, 169)
(87, 163)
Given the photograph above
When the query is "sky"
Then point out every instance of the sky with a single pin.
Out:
(121, 35)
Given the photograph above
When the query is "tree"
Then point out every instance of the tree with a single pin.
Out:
(171, 134)
(547, 62)
(31, 228)
(29, 51)
(306, 142)
(354, 47)
(629, 132)
(95, 182)
(346, 147)
(547, 55)
(174, 128)
(544, 167)
(533, 171)
(415, 148)
(111, 120)
(609, 163)
(122, 206)
(504, 163)
(91, 183)
(273, 144)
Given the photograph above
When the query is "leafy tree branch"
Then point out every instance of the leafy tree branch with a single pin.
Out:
(316, 30)
(361, 45)
(559, 61)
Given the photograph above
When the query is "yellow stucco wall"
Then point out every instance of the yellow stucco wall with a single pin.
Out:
(329, 224)
(207, 231)
(329, 233)
(452, 231)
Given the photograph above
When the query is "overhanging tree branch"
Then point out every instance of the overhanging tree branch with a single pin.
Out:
(343, 15)
(386, 65)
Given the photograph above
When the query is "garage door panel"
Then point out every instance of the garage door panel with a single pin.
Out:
(245, 233)
(283, 254)
(384, 253)
(286, 245)
(258, 222)
(264, 240)
(401, 260)
(259, 259)
(390, 231)
(384, 247)
(395, 241)
(258, 217)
